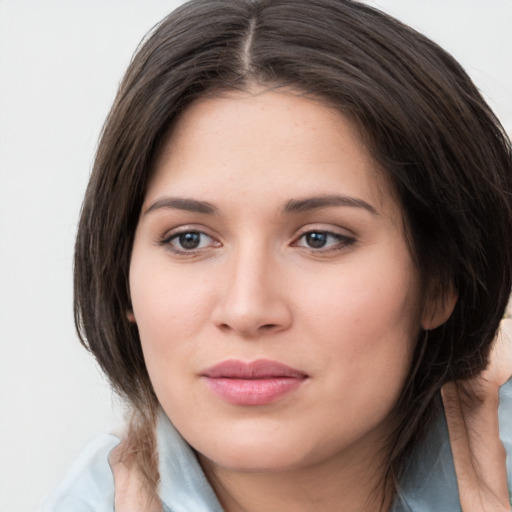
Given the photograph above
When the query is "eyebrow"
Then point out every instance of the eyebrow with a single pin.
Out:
(183, 203)
(291, 206)
(314, 203)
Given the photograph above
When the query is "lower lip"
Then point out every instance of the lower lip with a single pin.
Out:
(253, 391)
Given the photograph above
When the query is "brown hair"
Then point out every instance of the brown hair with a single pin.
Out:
(418, 111)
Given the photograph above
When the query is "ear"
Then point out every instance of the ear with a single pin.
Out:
(438, 308)
(130, 316)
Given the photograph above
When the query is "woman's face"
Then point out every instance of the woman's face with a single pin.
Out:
(274, 293)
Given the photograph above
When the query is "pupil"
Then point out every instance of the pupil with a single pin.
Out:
(189, 240)
(316, 240)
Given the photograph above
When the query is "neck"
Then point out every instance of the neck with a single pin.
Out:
(342, 483)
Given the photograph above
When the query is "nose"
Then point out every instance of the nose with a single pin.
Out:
(252, 300)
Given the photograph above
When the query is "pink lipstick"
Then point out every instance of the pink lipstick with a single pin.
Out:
(259, 382)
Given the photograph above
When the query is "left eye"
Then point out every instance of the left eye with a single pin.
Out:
(322, 240)
(190, 241)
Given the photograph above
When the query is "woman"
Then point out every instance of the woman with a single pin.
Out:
(296, 232)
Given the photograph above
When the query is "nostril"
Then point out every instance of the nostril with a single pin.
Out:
(247, 330)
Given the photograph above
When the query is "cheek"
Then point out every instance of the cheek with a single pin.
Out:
(169, 311)
(168, 322)
(374, 300)
(366, 320)
(163, 296)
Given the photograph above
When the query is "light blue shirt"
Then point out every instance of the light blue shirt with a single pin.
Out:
(429, 485)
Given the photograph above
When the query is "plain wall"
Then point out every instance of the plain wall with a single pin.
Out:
(60, 62)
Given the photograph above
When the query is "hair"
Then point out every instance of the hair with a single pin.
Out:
(426, 124)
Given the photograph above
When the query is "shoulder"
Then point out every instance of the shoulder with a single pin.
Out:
(505, 416)
(88, 485)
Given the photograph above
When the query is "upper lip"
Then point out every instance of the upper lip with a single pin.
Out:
(259, 369)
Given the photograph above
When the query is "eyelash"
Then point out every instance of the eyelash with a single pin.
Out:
(341, 241)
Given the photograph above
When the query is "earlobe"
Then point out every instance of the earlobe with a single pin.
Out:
(130, 316)
(438, 309)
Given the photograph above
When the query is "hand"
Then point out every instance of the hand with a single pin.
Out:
(472, 414)
(131, 490)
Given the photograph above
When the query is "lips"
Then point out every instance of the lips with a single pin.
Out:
(259, 382)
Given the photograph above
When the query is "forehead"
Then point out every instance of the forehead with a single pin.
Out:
(249, 142)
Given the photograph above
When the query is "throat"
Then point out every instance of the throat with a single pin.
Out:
(304, 490)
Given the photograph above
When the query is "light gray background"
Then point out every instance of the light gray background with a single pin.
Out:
(60, 62)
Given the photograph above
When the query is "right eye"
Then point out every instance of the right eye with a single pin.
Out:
(189, 241)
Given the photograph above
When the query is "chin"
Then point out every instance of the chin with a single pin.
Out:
(256, 459)
(264, 450)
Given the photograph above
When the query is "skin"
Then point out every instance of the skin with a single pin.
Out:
(346, 314)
